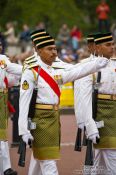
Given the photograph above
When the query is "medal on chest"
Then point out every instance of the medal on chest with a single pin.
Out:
(3, 64)
(58, 79)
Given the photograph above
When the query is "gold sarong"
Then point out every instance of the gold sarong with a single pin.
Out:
(46, 144)
(107, 112)
(3, 115)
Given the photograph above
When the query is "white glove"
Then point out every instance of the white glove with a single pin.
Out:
(26, 137)
(101, 62)
(81, 125)
(94, 137)
(91, 127)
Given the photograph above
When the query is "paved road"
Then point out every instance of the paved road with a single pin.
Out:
(71, 162)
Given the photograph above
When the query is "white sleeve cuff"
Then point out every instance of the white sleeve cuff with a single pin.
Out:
(91, 128)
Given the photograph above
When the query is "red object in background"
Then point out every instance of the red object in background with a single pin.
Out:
(75, 32)
(102, 10)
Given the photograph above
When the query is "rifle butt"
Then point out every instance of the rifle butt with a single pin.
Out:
(78, 141)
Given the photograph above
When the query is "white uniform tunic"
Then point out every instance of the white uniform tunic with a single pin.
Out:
(10, 67)
(103, 157)
(36, 166)
(45, 94)
(6, 67)
(107, 86)
(79, 98)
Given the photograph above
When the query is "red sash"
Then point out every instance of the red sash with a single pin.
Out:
(6, 82)
(10, 106)
(52, 83)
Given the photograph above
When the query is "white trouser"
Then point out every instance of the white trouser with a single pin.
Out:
(1, 161)
(46, 167)
(5, 156)
(104, 162)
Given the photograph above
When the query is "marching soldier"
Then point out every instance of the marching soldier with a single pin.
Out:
(57, 64)
(103, 109)
(5, 67)
(78, 90)
(78, 94)
(40, 73)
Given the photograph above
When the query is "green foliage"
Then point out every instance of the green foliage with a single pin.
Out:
(53, 12)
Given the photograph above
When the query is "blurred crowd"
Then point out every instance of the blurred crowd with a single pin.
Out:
(70, 42)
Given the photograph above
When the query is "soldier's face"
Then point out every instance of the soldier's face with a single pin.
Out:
(106, 49)
(48, 54)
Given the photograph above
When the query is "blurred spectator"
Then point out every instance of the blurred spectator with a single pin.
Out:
(10, 34)
(83, 53)
(25, 37)
(76, 36)
(63, 36)
(0, 47)
(25, 34)
(102, 11)
(67, 55)
(20, 58)
(40, 25)
(113, 30)
(2, 43)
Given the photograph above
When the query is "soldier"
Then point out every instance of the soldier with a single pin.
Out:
(5, 66)
(57, 64)
(104, 110)
(78, 90)
(40, 73)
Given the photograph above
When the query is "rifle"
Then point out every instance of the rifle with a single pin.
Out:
(78, 143)
(84, 138)
(22, 145)
(94, 96)
(78, 140)
(89, 151)
(32, 104)
(22, 152)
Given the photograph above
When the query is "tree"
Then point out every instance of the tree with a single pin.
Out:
(53, 13)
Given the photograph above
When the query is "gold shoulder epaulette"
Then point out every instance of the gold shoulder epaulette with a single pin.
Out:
(29, 58)
(56, 67)
(30, 62)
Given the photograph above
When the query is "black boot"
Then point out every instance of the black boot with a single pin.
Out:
(10, 172)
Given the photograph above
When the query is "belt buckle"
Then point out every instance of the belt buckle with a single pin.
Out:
(113, 97)
(5, 91)
(55, 107)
